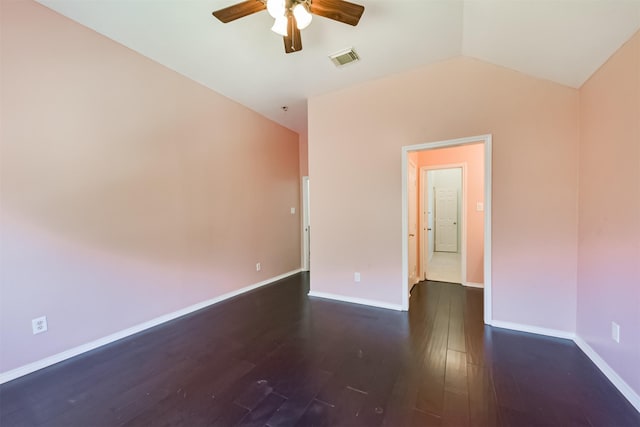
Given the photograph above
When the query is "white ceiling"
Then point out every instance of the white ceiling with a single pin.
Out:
(561, 40)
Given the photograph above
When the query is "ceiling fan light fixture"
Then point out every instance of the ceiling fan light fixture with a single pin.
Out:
(276, 8)
(303, 16)
(280, 26)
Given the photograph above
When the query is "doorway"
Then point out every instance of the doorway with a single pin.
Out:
(484, 206)
(443, 209)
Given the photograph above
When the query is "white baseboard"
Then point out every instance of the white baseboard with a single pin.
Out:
(618, 382)
(473, 285)
(604, 367)
(361, 301)
(56, 358)
(533, 329)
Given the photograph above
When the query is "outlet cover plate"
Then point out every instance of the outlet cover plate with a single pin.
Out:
(39, 325)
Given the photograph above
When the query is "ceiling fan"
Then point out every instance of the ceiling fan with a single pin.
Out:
(291, 16)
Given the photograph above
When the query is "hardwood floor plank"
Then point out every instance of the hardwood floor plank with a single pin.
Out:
(456, 373)
(402, 401)
(457, 339)
(431, 395)
(507, 391)
(377, 401)
(318, 414)
(230, 417)
(347, 412)
(423, 419)
(292, 410)
(478, 352)
(483, 408)
(354, 373)
(253, 395)
(456, 394)
(259, 416)
(456, 409)
(432, 372)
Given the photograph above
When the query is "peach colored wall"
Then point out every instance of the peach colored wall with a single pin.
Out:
(473, 156)
(128, 191)
(609, 212)
(356, 207)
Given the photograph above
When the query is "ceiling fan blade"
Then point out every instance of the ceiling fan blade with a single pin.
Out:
(239, 10)
(292, 41)
(338, 10)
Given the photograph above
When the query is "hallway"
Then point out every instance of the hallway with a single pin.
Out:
(445, 267)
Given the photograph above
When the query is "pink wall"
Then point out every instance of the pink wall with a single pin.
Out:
(609, 212)
(356, 206)
(473, 156)
(128, 191)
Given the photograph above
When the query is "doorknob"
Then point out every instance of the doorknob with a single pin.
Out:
(412, 235)
(454, 223)
(428, 229)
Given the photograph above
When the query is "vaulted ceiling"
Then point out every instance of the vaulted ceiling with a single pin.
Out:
(560, 40)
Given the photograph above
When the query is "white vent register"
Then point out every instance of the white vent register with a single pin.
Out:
(344, 57)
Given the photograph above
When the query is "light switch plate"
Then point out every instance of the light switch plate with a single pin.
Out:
(293, 211)
(615, 332)
(479, 206)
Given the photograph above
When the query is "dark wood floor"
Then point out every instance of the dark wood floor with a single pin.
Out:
(276, 357)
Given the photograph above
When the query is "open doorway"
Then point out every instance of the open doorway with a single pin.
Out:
(442, 216)
(465, 229)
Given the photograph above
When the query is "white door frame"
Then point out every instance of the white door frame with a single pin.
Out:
(417, 199)
(424, 248)
(486, 140)
(305, 224)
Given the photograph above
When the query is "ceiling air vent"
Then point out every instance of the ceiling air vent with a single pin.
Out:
(344, 57)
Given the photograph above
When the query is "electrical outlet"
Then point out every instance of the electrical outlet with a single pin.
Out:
(356, 277)
(39, 325)
(293, 211)
(258, 266)
(615, 332)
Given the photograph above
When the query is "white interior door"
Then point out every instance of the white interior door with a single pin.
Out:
(412, 186)
(446, 219)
